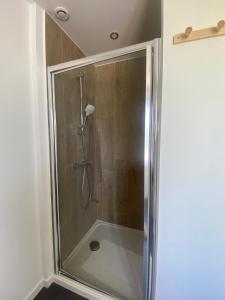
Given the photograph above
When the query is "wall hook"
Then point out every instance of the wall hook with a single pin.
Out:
(220, 25)
(188, 31)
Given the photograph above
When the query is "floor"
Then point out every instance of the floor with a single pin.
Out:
(56, 292)
(116, 267)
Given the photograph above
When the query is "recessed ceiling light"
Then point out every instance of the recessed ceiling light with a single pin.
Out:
(114, 35)
(61, 13)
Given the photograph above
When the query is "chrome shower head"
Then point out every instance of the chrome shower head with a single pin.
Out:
(89, 109)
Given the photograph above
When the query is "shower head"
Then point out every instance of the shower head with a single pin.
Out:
(89, 109)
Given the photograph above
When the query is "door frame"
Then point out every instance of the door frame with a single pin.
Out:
(151, 153)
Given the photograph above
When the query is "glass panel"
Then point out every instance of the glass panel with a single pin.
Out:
(100, 112)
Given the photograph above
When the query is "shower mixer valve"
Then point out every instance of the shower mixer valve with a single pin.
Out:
(82, 163)
(81, 130)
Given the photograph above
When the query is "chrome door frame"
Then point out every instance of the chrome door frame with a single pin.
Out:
(151, 152)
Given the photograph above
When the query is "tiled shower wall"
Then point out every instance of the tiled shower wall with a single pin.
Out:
(59, 47)
(120, 106)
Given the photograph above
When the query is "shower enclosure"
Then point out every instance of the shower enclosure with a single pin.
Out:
(103, 113)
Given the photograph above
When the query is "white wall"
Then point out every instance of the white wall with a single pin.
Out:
(20, 251)
(191, 250)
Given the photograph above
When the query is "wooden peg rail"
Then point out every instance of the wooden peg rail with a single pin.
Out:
(193, 35)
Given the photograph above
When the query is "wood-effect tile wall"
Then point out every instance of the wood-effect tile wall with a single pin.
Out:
(59, 47)
(120, 107)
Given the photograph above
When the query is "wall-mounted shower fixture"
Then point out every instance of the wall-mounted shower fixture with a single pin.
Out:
(89, 109)
(84, 163)
(62, 13)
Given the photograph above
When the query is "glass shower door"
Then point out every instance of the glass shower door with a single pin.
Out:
(101, 133)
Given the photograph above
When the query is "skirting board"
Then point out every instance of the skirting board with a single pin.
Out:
(43, 283)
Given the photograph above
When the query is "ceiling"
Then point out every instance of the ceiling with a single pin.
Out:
(92, 21)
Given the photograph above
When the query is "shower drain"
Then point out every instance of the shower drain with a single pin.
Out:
(94, 245)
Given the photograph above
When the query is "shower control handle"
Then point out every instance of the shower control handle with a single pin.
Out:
(82, 163)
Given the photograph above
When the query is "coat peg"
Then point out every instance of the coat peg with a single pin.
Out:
(188, 31)
(220, 25)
